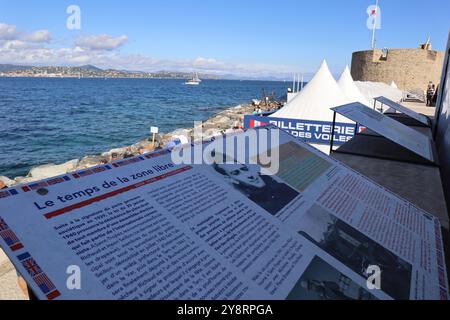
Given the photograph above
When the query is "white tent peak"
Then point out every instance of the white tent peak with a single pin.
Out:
(316, 99)
(350, 89)
(346, 71)
(324, 64)
(394, 85)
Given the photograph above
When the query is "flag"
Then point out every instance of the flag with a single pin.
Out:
(255, 123)
(85, 173)
(38, 185)
(31, 266)
(134, 160)
(3, 225)
(442, 280)
(44, 283)
(55, 181)
(121, 163)
(440, 259)
(99, 169)
(4, 194)
(9, 237)
(443, 294)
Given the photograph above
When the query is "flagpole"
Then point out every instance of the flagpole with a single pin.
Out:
(293, 85)
(374, 26)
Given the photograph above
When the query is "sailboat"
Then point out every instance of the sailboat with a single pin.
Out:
(195, 81)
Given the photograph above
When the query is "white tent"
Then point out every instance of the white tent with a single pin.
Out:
(394, 85)
(350, 89)
(316, 99)
(372, 90)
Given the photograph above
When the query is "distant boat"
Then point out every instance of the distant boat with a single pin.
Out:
(195, 81)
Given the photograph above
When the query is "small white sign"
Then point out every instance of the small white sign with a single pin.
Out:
(154, 129)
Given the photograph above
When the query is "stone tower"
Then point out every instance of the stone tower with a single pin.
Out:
(410, 69)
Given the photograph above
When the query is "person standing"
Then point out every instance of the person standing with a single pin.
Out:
(434, 100)
(430, 94)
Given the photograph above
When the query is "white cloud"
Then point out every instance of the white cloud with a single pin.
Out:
(18, 52)
(8, 32)
(101, 42)
(39, 36)
(37, 48)
(204, 61)
(16, 45)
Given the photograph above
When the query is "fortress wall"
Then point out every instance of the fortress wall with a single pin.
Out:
(409, 68)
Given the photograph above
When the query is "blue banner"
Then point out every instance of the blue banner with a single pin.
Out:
(318, 132)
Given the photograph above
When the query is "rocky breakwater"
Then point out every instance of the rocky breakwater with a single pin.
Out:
(222, 122)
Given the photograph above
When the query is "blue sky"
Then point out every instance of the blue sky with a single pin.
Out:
(252, 37)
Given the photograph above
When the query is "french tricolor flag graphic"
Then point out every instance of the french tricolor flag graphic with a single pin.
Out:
(255, 123)
(361, 129)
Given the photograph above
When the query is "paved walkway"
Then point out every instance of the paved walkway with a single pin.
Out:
(420, 108)
(9, 289)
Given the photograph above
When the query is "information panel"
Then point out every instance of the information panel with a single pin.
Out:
(146, 228)
(398, 107)
(389, 128)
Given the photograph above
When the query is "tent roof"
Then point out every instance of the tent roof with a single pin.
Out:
(376, 89)
(350, 89)
(316, 99)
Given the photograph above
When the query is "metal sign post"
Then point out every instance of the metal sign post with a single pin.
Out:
(154, 131)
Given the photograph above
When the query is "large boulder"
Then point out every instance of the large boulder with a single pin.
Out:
(118, 151)
(6, 182)
(91, 161)
(25, 180)
(51, 170)
(174, 135)
(115, 154)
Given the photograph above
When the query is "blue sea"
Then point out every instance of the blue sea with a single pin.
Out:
(44, 120)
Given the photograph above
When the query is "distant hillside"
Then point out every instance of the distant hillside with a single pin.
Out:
(11, 67)
(90, 67)
(91, 71)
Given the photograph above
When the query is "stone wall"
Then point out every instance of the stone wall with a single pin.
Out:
(410, 69)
